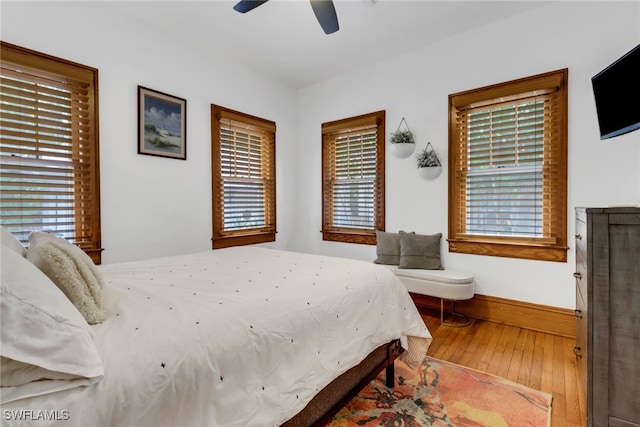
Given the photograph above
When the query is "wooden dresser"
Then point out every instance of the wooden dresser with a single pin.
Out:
(608, 313)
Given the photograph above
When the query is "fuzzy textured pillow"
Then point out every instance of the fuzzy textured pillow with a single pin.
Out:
(72, 271)
(420, 251)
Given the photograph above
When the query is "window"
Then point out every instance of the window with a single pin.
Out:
(508, 169)
(244, 178)
(49, 148)
(353, 178)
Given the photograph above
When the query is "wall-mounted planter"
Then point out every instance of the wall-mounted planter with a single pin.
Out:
(430, 172)
(429, 166)
(402, 142)
(402, 150)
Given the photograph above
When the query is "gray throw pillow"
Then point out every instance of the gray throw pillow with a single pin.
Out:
(420, 251)
(387, 248)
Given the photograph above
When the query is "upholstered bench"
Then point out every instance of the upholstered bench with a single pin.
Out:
(415, 260)
(447, 284)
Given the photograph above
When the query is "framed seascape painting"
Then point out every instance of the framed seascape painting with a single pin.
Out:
(162, 124)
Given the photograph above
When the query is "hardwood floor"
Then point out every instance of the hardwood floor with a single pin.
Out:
(535, 359)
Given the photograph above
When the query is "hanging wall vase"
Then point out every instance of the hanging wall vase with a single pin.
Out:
(430, 172)
(402, 142)
(429, 166)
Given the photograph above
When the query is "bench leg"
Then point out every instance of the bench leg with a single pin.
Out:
(465, 320)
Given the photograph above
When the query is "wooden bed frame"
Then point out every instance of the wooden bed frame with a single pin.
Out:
(340, 391)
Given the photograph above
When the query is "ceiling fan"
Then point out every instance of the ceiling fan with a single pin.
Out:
(324, 10)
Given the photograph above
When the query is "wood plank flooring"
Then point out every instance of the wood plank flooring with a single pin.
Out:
(535, 359)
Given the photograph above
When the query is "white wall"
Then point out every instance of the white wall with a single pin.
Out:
(154, 206)
(581, 36)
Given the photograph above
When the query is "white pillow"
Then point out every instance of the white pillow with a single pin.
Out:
(11, 242)
(72, 271)
(40, 327)
(13, 373)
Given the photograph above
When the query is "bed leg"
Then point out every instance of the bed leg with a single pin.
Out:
(390, 383)
(393, 351)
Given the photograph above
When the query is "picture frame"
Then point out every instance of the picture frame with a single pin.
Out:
(162, 124)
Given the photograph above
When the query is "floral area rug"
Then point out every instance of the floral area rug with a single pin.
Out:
(444, 394)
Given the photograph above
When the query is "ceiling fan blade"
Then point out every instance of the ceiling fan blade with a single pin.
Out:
(244, 6)
(326, 15)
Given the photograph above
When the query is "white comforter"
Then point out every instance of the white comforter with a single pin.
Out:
(231, 337)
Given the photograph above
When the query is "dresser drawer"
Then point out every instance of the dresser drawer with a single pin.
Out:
(581, 348)
(581, 241)
(581, 259)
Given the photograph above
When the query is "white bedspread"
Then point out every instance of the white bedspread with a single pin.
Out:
(232, 337)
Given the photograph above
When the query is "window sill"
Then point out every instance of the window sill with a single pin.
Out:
(349, 236)
(242, 240)
(94, 254)
(520, 250)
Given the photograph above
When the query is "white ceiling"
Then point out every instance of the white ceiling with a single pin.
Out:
(282, 38)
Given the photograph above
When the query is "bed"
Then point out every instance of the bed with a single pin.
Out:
(243, 336)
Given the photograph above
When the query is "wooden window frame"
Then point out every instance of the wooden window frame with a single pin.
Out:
(81, 82)
(551, 247)
(226, 238)
(330, 232)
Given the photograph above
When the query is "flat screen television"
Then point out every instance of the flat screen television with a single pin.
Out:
(617, 94)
